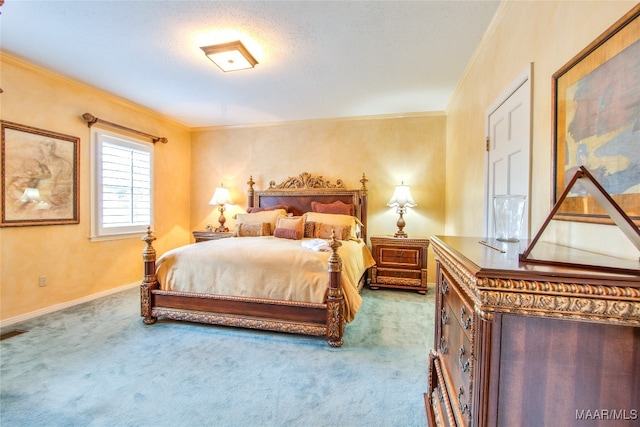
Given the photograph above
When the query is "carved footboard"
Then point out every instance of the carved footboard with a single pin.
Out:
(275, 315)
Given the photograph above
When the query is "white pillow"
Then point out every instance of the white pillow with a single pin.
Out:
(259, 217)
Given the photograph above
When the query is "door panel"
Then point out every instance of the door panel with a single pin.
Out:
(509, 147)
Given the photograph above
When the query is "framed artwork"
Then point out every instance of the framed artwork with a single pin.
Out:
(596, 112)
(39, 176)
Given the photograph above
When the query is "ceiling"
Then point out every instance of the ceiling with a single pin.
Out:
(317, 59)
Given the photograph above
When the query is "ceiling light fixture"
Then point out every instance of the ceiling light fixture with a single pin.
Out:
(230, 56)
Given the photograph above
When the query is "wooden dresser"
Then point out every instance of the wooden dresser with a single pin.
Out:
(531, 345)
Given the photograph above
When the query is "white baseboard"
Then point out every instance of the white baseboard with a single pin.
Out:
(61, 306)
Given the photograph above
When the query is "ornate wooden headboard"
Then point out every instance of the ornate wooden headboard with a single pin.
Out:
(299, 192)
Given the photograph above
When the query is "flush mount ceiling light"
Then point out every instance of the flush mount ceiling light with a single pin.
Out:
(230, 56)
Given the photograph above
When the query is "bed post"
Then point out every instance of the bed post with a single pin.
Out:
(363, 207)
(150, 281)
(250, 192)
(335, 299)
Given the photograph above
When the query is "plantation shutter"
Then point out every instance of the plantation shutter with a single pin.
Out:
(124, 185)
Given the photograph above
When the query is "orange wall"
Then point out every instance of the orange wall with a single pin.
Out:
(387, 149)
(74, 266)
(548, 34)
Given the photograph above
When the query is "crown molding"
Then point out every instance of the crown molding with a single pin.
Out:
(324, 120)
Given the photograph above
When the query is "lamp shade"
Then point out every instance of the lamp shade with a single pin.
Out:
(402, 197)
(221, 197)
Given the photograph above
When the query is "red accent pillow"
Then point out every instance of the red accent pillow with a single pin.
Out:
(336, 207)
(287, 233)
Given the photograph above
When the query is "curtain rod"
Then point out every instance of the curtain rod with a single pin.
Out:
(91, 119)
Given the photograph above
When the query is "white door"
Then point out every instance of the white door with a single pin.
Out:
(509, 149)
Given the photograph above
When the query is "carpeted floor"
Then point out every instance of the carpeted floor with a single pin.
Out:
(97, 364)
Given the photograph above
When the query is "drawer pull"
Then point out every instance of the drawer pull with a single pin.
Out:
(444, 348)
(464, 366)
(444, 318)
(466, 322)
(444, 287)
(464, 408)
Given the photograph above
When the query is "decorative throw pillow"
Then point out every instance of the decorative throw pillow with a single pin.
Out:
(292, 223)
(336, 207)
(323, 231)
(309, 229)
(260, 217)
(252, 230)
(334, 219)
(287, 233)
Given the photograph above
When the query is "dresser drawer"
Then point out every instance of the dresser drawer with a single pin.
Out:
(459, 309)
(457, 362)
(437, 401)
(455, 348)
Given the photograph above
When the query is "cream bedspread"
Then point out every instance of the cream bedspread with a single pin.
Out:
(263, 267)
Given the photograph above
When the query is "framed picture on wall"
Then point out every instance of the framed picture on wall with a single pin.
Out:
(596, 112)
(39, 176)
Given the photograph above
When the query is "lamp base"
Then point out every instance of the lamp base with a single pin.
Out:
(401, 223)
(221, 220)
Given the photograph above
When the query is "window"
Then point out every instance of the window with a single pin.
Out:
(122, 199)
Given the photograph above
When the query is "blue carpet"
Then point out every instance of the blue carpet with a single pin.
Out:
(97, 364)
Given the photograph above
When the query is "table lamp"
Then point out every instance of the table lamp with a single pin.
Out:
(221, 198)
(401, 200)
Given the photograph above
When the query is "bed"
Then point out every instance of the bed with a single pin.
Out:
(271, 275)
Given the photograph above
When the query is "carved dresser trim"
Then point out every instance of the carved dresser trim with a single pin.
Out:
(593, 302)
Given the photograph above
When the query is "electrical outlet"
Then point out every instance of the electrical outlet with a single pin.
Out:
(42, 281)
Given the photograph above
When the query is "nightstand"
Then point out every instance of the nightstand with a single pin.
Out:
(203, 236)
(401, 263)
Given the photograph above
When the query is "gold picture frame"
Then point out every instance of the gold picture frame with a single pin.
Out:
(596, 122)
(40, 176)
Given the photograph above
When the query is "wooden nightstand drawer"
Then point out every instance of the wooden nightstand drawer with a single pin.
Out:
(411, 276)
(410, 258)
(401, 263)
(203, 236)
